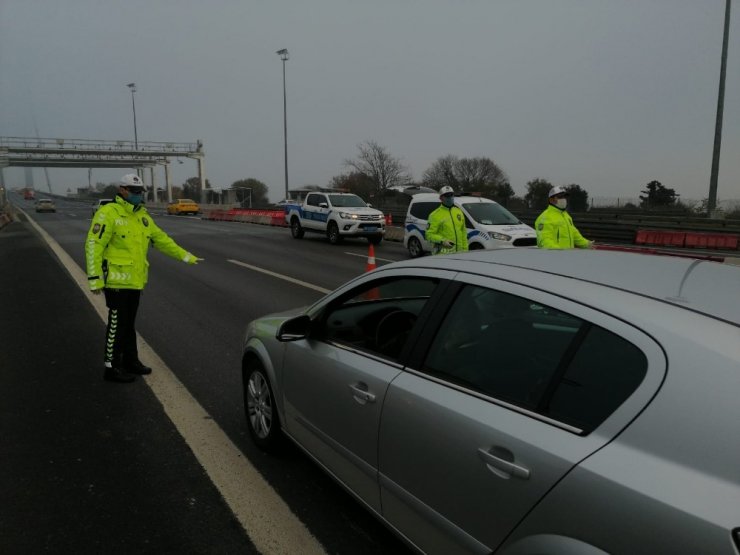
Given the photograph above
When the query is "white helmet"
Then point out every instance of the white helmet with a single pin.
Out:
(558, 190)
(132, 180)
(446, 190)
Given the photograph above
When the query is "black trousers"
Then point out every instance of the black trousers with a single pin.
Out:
(120, 333)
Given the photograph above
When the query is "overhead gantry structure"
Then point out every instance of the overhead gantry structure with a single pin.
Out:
(83, 153)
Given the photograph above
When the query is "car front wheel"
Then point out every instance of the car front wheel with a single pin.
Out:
(332, 233)
(414, 246)
(261, 411)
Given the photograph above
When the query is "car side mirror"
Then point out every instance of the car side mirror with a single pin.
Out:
(369, 205)
(294, 329)
(323, 205)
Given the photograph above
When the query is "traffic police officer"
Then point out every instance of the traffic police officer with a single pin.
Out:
(116, 259)
(446, 229)
(554, 227)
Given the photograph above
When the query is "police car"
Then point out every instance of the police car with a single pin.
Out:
(489, 224)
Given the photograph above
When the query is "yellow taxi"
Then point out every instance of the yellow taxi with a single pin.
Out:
(183, 206)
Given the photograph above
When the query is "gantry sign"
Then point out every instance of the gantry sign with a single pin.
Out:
(83, 153)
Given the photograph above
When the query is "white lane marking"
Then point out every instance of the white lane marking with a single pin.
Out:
(280, 276)
(365, 256)
(268, 521)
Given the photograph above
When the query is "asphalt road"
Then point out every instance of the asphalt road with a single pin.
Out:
(88, 466)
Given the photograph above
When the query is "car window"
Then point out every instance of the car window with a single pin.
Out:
(535, 357)
(314, 200)
(347, 201)
(378, 318)
(489, 213)
(422, 210)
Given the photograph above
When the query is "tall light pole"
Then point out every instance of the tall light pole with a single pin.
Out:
(132, 86)
(284, 56)
(712, 200)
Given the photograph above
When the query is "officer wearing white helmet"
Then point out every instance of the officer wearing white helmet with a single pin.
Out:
(116, 258)
(446, 229)
(554, 227)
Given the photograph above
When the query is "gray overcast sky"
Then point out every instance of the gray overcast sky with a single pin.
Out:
(609, 94)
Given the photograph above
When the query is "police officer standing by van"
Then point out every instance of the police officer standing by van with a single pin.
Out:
(446, 229)
(116, 258)
(554, 227)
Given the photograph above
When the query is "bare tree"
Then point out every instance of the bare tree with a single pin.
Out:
(355, 182)
(442, 173)
(384, 169)
(466, 175)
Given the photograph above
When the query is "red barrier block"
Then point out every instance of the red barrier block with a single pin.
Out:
(711, 240)
(641, 237)
(660, 237)
(278, 220)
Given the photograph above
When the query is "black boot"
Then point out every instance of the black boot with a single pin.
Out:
(118, 375)
(137, 368)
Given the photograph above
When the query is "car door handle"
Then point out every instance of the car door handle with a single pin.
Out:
(361, 394)
(500, 466)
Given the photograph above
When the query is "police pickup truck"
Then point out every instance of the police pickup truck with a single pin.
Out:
(338, 215)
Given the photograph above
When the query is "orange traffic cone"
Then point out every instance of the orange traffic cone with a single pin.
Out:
(372, 294)
(370, 259)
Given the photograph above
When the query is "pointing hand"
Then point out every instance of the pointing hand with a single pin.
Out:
(191, 259)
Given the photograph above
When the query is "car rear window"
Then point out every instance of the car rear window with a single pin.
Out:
(536, 357)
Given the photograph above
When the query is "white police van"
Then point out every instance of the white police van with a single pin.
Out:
(489, 224)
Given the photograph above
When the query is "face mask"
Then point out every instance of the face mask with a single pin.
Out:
(449, 202)
(134, 199)
(561, 203)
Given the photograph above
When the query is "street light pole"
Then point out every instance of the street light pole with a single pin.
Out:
(132, 86)
(284, 56)
(712, 200)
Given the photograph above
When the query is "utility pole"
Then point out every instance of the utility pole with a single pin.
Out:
(285, 56)
(712, 200)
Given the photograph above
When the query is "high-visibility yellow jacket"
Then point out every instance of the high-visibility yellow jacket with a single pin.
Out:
(117, 244)
(555, 230)
(447, 224)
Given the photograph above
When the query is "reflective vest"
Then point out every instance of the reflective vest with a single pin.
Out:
(555, 230)
(117, 244)
(447, 224)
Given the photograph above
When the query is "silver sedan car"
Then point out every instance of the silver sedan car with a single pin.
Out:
(519, 401)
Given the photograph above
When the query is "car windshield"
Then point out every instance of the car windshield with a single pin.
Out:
(347, 201)
(490, 213)
(187, 200)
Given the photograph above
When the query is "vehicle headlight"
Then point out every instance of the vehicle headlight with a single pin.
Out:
(347, 216)
(500, 236)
